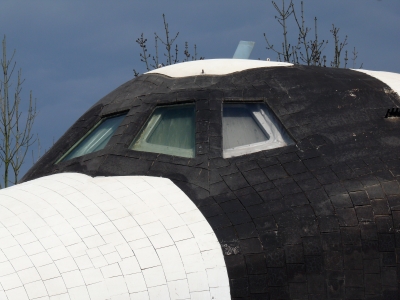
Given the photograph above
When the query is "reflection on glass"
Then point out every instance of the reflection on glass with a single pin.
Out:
(170, 130)
(96, 139)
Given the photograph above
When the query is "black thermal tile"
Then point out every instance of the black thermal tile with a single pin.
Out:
(256, 263)
(275, 172)
(328, 223)
(394, 202)
(333, 260)
(250, 199)
(255, 176)
(264, 186)
(312, 245)
(364, 213)
(372, 284)
(359, 198)
(236, 266)
(247, 166)
(346, 217)
(386, 242)
(351, 235)
(388, 259)
(353, 257)
(368, 231)
(265, 224)
(266, 162)
(371, 266)
(391, 188)
(295, 167)
(326, 177)
(341, 201)
(231, 206)
(246, 230)
(239, 287)
(309, 184)
(380, 207)
(277, 277)
(295, 200)
(235, 181)
(375, 192)
(239, 217)
(249, 246)
(384, 224)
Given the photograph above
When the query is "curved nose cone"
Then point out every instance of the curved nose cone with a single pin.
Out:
(71, 235)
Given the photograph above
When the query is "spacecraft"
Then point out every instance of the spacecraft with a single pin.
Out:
(215, 179)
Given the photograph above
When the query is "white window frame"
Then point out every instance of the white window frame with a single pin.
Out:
(268, 124)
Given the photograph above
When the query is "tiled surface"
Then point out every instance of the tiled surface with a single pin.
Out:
(315, 220)
(106, 238)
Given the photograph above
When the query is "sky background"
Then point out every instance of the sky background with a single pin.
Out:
(72, 53)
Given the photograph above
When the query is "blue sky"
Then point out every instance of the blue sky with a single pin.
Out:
(72, 53)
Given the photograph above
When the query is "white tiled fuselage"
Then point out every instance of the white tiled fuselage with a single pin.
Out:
(71, 236)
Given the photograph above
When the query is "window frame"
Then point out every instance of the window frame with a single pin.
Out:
(170, 150)
(73, 147)
(268, 123)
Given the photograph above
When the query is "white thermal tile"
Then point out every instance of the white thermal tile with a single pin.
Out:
(79, 293)
(18, 229)
(147, 257)
(165, 212)
(161, 240)
(180, 233)
(70, 239)
(133, 234)
(33, 248)
(145, 218)
(159, 293)
(125, 223)
(187, 247)
(198, 281)
(29, 275)
(193, 263)
(124, 250)
(222, 293)
(41, 259)
(111, 271)
(6, 268)
(203, 295)
(153, 198)
(48, 272)
(42, 232)
(193, 216)
(25, 238)
(35, 289)
(92, 253)
(73, 279)
(86, 231)
(99, 262)
(184, 207)
(21, 263)
(171, 262)
(83, 262)
(98, 219)
(18, 293)
(173, 221)
(179, 289)
(10, 281)
(50, 241)
(129, 265)
(58, 252)
(7, 242)
(92, 275)
(112, 257)
(200, 228)
(106, 228)
(14, 252)
(207, 242)
(154, 276)
(124, 296)
(77, 250)
(90, 211)
(78, 221)
(106, 249)
(98, 291)
(153, 228)
(62, 228)
(139, 244)
(140, 296)
(114, 239)
(213, 258)
(135, 283)
(66, 264)
(94, 241)
(116, 285)
(217, 277)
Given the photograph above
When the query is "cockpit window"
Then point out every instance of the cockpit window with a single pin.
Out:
(96, 139)
(170, 130)
(251, 127)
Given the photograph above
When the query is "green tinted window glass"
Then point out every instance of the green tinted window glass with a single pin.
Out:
(170, 130)
(96, 139)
